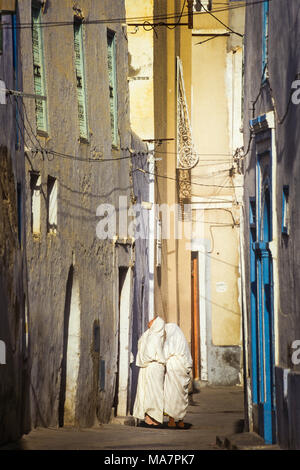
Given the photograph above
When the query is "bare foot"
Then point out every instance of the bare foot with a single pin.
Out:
(180, 424)
(151, 421)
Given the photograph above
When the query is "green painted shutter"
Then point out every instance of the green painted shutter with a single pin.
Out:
(80, 80)
(38, 71)
(111, 63)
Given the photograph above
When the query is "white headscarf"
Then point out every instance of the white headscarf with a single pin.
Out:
(150, 346)
(176, 344)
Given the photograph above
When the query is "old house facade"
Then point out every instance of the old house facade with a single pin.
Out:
(271, 228)
(14, 380)
(216, 118)
(173, 81)
(87, 275)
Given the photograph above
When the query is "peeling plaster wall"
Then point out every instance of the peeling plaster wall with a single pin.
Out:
(217, 194)
(14, 385)
(82, 186)
(283, 65)
(141, 268)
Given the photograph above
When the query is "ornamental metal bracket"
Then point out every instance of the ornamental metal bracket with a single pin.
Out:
(186, 156)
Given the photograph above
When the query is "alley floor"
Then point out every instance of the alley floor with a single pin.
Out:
(213, 411)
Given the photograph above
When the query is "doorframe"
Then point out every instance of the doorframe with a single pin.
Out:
(263, 346)
(67, 407)
(124, 359)
(199, 246)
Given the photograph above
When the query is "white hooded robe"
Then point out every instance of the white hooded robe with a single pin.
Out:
(178, 367)
(150, 359)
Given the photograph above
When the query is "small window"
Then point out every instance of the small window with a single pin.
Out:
(52, 204)
(80, 79)
(112, 77)
(38, 69)
(35, 187)
(285, 210)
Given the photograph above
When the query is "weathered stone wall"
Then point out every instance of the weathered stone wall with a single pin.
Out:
(141, 268)
(259, 98)
(14, 384)
(74, 256)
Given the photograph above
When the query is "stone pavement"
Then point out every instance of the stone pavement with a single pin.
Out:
(213, 412)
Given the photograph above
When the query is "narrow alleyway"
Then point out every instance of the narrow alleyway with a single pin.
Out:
(214, 411)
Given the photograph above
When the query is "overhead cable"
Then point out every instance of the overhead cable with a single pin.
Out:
(125, 20)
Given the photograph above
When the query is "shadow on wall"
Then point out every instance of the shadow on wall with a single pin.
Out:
(14, 383)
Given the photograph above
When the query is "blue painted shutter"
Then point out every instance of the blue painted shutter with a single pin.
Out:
(80, 80)
(38, 70)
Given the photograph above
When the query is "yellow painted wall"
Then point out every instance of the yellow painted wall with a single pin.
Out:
(213, 87)
(140, 59)
(153, 114)
(173, 280)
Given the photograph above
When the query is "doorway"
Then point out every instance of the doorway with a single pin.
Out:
(265, 322)
(262, 311)
(195, 316)
(71, 353)
(123, 378)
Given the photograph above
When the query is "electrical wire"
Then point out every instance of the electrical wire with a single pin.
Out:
(203, 155)
(213, 37)
(125, 20)
(17, 121)
(253, 108)
(221, 22)
(122, 20)
(37, 147)
(190, 182)
(179, 19)
(210, 223)
(280, 121)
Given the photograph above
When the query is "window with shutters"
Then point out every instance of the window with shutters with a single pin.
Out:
(38, 70)
(112, 77)
(80, 79)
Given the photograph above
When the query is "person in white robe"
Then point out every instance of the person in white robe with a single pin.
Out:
(178, 375)
(150, 359)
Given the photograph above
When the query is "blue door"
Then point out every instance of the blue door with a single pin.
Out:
(262, 317)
